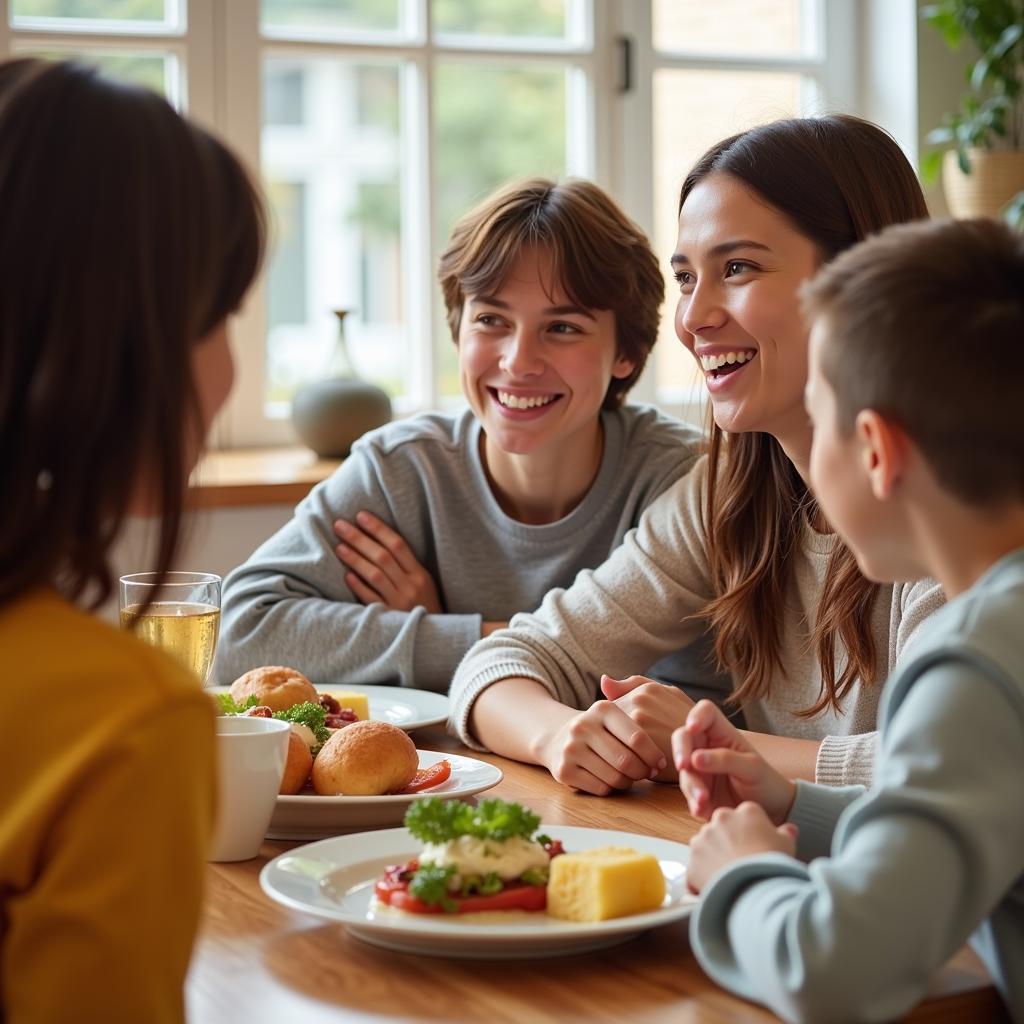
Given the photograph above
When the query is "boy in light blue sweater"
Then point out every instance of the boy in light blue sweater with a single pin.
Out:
(829, 904)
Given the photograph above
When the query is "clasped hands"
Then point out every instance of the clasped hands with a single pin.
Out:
(618, 741)
(729, 785)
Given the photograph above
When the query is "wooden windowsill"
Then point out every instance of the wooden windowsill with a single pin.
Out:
(257, 476)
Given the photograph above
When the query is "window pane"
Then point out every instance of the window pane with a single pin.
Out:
(95, 10)
(330, 158)
(492, 123)
(333, 16)
(776, 27)
(692, 111)
(514, 18)
(156, 71)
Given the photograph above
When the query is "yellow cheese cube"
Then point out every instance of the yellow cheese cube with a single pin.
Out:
(358, 703)
(611, 881)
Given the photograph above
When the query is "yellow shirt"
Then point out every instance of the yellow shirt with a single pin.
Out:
(106, 809)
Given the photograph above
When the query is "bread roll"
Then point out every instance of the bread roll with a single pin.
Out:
(365, 759)
(274, 685)
(298, 765)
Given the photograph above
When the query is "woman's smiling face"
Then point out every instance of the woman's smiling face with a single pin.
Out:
(739, 263)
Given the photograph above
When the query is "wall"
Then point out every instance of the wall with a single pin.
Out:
(217, 541)
(909, 79)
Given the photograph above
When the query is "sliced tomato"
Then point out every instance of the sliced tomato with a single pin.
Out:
(390, 889)
(427, 777)
(516, 897)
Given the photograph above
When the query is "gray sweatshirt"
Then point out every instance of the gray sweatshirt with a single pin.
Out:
(930, 856)
(634, 609)
(289, 604)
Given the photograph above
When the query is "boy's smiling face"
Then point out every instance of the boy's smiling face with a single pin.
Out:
(534, 366)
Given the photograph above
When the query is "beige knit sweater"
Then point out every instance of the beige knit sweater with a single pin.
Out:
(623, 616)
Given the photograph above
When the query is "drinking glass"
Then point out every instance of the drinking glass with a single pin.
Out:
(183, 616)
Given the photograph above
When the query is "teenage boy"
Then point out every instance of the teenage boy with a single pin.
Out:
(916, 371)
(439, 528)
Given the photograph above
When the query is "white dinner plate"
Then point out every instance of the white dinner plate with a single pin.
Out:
(399, 705)
(308, 816)
(334, 878)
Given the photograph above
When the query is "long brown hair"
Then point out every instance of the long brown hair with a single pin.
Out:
(599, 257)
(837, 179)
(128, 235)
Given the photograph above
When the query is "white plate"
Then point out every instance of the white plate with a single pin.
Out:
(406, 708)
(307, 816)
(335, 877)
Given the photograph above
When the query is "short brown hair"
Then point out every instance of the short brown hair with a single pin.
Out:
(128, 235)
(599, 257)
(925, 324)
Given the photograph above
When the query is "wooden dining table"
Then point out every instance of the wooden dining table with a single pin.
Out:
(261, 963)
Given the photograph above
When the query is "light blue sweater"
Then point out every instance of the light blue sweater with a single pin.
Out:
(289, 603)
(931, 856)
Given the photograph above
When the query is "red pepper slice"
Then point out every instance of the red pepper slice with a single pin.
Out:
(427, 777)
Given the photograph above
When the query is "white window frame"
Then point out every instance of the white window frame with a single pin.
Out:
(220, 49)
(244, 421)
(829, 66)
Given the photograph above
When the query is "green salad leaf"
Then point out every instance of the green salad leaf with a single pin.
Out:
(308, 714)
(433, 820)
(228, 706)
(430, 884)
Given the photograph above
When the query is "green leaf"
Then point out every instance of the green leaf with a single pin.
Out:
(941, 18)
(1013, 212)
(491, 884)
(931, 165)
(433, 820)
(1012, 35)
(229, 707)
(979, 73)
(308, 714)
(939, 136)
(430, 884)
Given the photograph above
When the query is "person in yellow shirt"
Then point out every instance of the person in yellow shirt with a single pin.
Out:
(128, 237)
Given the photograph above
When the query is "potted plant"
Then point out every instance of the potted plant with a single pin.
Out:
(982, 143)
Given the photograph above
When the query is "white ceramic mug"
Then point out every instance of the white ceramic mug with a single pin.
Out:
(251, 754)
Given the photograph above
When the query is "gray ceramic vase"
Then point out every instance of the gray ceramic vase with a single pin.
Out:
(330, 415)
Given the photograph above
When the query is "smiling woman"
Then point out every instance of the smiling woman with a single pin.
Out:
(737, 549)
(438, 529)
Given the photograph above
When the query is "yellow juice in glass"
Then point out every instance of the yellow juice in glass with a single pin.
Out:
(187, 631)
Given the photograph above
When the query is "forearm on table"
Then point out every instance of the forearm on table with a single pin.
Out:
(515, 716)
(793, 758)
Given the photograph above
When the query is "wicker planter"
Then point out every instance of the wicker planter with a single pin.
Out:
(996, 177)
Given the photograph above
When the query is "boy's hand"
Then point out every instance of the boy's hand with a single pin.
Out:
(658, 710)
(600, 750)
(382, 567)
(732, 835)
(719, 768)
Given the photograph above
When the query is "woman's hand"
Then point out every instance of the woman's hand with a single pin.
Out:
(719, 768)
(600, 750)
(732, 835)
(658, 710)
(382, 568)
